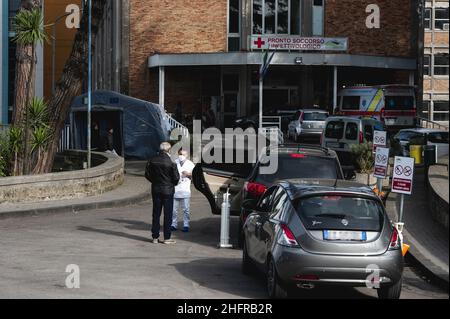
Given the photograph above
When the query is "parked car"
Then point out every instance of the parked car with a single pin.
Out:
(307, 123)
(423, 136)
(318, 233)
(294, 161)
(341, 132)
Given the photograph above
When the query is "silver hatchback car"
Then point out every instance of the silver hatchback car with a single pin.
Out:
(307, 123)
(304, 234)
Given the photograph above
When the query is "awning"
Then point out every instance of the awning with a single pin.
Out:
(281, 58)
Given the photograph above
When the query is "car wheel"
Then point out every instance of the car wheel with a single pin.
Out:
(247, 266)
(274, 287)
(391, 292)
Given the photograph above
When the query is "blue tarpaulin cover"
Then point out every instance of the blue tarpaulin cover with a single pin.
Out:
(143, 126)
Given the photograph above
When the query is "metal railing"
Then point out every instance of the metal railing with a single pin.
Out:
(174, 124)
(425, 123)
(271, 124)
(64, 141)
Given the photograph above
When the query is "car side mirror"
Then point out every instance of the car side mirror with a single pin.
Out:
(249, 204)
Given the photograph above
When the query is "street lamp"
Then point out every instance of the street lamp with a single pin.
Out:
(89, 155)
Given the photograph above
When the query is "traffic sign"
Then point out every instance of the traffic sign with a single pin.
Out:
(403, 174)
(381, 162)
(379, 139)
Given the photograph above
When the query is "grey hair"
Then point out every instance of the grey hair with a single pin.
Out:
(165, 147)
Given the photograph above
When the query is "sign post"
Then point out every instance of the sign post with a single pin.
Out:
(381, 158)
(402, 180)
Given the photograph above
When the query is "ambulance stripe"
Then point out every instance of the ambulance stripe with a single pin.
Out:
(376, 101)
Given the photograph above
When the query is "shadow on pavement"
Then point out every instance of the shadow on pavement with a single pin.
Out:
(115, 233)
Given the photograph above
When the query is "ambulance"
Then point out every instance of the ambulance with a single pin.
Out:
(394, 105)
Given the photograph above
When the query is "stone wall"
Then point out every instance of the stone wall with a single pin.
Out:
(65, 185)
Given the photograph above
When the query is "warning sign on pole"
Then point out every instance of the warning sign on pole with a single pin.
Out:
(381, 162)
(403, 174)
(379, 140)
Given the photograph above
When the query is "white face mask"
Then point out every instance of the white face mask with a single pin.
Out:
(182, 158)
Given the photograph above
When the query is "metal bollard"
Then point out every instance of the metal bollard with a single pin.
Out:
(225, 221)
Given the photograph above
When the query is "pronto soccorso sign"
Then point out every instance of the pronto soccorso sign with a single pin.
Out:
(283, 42)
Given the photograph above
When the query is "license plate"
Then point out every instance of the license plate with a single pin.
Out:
(333, 145)
(344, 235)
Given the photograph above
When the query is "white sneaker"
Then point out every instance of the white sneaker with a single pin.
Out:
(155, 241)
(169, 242)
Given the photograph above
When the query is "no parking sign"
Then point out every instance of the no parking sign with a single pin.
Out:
(403, 174)
(379, 140)
(381, 162)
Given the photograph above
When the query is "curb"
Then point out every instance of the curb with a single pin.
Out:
(440, 281)
(136, 199)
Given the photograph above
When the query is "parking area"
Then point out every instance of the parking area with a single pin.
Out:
(113, 250)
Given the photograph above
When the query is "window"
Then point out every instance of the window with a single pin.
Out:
(438, 137)
(265, 203)
(334, 129)
(440, 18)
(399, 102)
(441, 64)
(427, 19)
(351, 131)
(234, 25)
(279, 200)
(427, 64)
(368, 133)
(276, 17)
(318, 18)
(351, 102)
(440, 111)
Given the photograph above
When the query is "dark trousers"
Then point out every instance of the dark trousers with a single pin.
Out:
(161, 201)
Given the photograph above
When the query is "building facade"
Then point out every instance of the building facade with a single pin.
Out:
(207, 54)
(49, 65)
(436, 61)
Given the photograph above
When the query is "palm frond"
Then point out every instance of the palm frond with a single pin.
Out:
(29, 27)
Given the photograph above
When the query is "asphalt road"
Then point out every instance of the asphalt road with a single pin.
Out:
(117, 260)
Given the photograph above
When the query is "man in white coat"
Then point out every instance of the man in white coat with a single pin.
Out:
(182, 198)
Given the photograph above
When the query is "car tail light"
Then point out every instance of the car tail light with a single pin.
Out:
(255, 189)
(361, 137)
(287, 238)
(294, 155)
(395, 240)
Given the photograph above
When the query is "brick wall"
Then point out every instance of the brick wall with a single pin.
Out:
(347, 18)
(172, 26)
(440, 39)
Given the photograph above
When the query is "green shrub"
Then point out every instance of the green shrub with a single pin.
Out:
(363, 157)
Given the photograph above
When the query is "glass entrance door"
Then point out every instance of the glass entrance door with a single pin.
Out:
(231, 99)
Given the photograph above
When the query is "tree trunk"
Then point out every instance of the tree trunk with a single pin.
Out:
(24, 85)
(69, 86)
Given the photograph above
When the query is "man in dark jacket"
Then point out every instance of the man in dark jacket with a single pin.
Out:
(162, 172)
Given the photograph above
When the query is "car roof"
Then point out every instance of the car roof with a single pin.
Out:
(422, 130)
(314, 110)
(304, 149)
(297, 188)
(350, 118)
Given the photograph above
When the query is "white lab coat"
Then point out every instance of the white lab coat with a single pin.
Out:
(183, 189)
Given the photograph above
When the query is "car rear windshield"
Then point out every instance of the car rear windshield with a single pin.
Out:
(399, 103)
(335, 129)
(338, 212)
(315, 116)
(295, 166)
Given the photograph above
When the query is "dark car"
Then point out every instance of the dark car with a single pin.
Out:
(304, 234)
(246, 182)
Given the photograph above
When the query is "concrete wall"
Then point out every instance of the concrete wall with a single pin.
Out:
(438, 192)
(66, 185)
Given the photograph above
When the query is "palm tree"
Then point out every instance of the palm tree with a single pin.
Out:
(41, 136)
(70, 83)
(15, 144)
(29, 29)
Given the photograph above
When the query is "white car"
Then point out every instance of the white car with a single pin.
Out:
(423, 136)
(307, 123)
